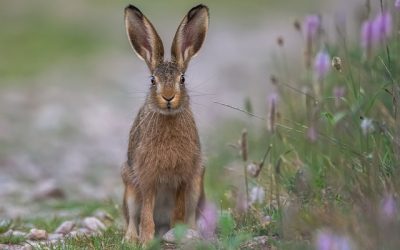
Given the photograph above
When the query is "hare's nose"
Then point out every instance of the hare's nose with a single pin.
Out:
(168, 99)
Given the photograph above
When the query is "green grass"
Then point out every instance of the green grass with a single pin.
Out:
(5, 225)
(36, 42)
(87, 208)
(111, 239)
(12, 240)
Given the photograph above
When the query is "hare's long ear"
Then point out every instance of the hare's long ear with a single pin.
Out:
(190, 36)
(143, 37)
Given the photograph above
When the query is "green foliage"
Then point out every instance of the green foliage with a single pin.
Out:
(337, 178)
(111, 239)
(11, 239)
(5, 224)
(87, 208)
(48, 224)
(179, 232)
(36, 42)
(230, 236)
(226, 225)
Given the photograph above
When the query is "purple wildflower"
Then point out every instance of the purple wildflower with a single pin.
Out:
(343, 243)
(382, 27)
(326, 240)
(388, 207)
(272, 102)
(311, 29)
(312, 133)
(397, 4)
(339, 92)
(207, 222)
(322, 64)
(367, 36)
(311, 26)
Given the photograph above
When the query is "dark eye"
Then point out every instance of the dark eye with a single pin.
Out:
(153, 81)
(182, 79)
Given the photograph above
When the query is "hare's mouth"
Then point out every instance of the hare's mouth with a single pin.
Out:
(169, 110)
(168, 104)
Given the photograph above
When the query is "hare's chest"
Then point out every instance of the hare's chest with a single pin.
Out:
(172, 150)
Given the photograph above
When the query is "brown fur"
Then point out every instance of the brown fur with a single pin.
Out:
(163, 175)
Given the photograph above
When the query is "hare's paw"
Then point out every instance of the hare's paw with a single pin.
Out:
(146, 237)
(131, 235)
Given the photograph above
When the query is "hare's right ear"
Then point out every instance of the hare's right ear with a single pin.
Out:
(143, 37)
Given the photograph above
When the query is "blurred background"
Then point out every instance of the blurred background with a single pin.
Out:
(70, 85)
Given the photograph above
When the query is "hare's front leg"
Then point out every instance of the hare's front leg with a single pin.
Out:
(180, 204)
(192, 197)
(146, 216)
(131, 210)
(131, 204)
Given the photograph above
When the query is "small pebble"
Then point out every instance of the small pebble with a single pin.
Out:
(37, 234)
(55, 236)
(65, 227)
(15, 233)
(103, 216)
(93, 224)
(7, 234)
(73, 233)
(79, 232)
(190, 235)
(84, 231)
(19, 233)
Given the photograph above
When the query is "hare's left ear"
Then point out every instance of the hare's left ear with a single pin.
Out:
(190, 36)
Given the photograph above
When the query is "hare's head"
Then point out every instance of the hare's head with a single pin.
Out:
(167, 92)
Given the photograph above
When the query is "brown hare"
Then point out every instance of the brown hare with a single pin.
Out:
(163, 175)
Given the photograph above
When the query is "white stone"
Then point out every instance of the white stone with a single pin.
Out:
(79, 232)
(37, 234)
(93, 224)
(103, 216)
(65, 227)
(190, 235)
(56, 236)
(19, 233)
